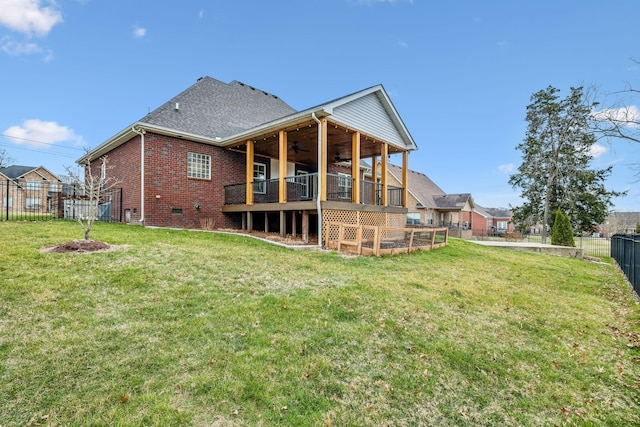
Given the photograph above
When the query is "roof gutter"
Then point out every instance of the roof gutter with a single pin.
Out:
(318, 202)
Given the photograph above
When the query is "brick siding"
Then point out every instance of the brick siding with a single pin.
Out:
(167, 188)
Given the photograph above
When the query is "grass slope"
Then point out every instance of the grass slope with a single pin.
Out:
(195, 328)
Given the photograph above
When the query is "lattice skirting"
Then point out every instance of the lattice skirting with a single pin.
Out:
(380, 219)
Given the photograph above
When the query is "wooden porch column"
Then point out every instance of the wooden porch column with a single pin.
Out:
(282, 166)
(305, 226)
(294, 224)
(383, 172)
(249, 180)
(322, 161)
(283, 223)
(405, 179)
(374, 178)
(355, 166)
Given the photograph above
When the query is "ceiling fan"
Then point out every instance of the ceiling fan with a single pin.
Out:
(296, 148)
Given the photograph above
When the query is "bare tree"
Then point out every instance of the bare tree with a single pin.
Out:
(5, 159)
(621, 119)
(94, 185)
(619, 116)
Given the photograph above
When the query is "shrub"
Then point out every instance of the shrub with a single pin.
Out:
(562, 233)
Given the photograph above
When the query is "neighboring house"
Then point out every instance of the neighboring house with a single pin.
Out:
(28, 189)
(490, 221)
(619, 222)
(229, 155)
(428, 204)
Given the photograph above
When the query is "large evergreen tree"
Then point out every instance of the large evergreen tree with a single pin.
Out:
(555, 171)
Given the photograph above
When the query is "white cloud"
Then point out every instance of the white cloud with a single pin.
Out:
(139, 32)
(40, 134)
(629, 116)
(506, 168)
(15, 48)
(201, 14)
(30, 16)
(597, 150)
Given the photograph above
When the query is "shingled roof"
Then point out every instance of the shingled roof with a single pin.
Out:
(214, 109)
(453, 201)
(227, 114)
(420, 186)
(16, 171)
(499, 212)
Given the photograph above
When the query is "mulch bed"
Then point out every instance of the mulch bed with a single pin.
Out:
(79, 246)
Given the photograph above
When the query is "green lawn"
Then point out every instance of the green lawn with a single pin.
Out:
(196, 328)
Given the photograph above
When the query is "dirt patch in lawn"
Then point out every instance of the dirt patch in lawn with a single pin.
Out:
(79, 247)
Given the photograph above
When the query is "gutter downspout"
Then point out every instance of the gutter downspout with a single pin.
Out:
(141, 132)
(318, 202)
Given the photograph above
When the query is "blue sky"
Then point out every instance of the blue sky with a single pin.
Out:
(460, 74)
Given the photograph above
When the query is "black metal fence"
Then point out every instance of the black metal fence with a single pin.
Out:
(38, 201)
(30, 200)
(625, 249)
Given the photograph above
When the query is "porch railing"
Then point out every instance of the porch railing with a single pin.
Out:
(235, 194)
(394, 196)
(370, 193)
(305, 187)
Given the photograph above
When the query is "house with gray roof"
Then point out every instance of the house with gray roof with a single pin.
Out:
(429, 205)
(490, 221)
(229, 155)
(28, 190)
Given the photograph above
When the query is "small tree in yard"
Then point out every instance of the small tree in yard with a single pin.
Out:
(562, 232)
(93, 185)
(5, 159)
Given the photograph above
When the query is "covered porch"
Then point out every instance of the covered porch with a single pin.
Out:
(330, 160)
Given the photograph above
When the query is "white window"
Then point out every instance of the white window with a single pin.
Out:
(53, 187)
(344, 186)
(502, 225)
(7, 202)
(259, 178)
(32, 203)
(413, 218)
(33, 185)
(489, 223)
(198, 166)
(430, 218)
(103, 171)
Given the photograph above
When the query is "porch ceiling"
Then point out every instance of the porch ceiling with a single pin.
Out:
(302, 148)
